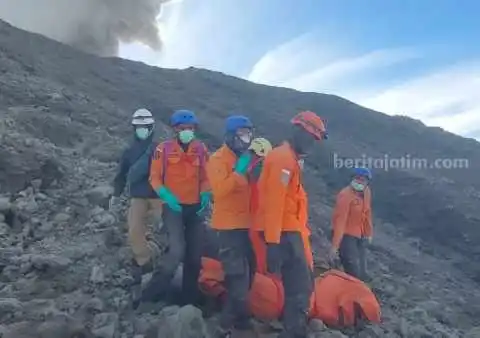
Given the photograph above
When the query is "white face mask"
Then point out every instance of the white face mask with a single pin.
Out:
(357, 186)
(245, 139)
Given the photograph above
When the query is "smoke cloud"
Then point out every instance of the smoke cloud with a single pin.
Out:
(94, 26)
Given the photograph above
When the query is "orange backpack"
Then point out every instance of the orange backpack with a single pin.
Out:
(342, 300)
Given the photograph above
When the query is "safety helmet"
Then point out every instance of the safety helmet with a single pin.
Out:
(260, 146)
(235, 122)
(312, 123)
(183, 116)
(142, 117)
(362, 172)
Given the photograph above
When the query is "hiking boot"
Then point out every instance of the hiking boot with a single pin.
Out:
(136, 286)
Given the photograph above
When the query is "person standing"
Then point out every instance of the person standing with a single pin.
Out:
(282, 217)
(352, 224)
(177, 175)
(231, 220)
(133, 171)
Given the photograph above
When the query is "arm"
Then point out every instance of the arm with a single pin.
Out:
(274, 184)
(342, 209)
(156, 168)
(121, 177)
(368, 216)
(222, 179)
(204, 182)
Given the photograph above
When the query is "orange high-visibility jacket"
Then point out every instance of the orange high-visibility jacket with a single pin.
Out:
(231, 192)
(352, 215)
(180, 171)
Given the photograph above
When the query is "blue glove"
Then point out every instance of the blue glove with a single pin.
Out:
(243, 162)
(172, 201)
(205, 198)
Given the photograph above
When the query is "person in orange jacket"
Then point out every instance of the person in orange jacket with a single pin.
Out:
(352, 224)
(178, 176)
(282, 217)
(259, 148)
(231, 220)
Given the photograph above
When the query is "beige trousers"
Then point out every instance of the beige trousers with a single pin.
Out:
(141, 211)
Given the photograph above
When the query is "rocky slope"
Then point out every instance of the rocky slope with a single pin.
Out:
(63, 121)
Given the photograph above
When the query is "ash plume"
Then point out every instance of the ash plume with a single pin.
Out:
(94, 26)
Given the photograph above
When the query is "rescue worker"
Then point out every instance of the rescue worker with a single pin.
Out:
(231, 219)
(133, 171)
(259, 148)
(177, 174)
(352, 224)
(282, 217)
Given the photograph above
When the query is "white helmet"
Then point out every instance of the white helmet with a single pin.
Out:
(142, 117)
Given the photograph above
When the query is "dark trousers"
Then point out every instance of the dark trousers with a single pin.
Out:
(186, 232)
(353, 256)
(238, 262)
(297, 279)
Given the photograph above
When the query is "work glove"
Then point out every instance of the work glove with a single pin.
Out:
(241, 166)
(274, 258)
(205, 198)
(113, 203)
(168, 197)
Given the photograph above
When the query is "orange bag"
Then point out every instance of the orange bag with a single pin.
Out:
(338, 299)
(341, 300)
(265, 298)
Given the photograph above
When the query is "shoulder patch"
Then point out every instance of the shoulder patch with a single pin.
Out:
(285, 176)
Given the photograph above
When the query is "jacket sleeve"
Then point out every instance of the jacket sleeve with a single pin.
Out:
(368, 217)
(341, 211)
(121, 177)
(275, 181)
(223, 180)
(156, 168)
(204, 182)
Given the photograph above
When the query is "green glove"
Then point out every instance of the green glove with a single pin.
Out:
(243, 162)
(205, 198)
(172, 201)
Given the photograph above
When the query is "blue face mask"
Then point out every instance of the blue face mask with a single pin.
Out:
(142, 133)
(186, 136)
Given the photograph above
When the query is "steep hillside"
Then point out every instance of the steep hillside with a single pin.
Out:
(64, 119)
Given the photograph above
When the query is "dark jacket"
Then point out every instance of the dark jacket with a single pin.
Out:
(133, 169)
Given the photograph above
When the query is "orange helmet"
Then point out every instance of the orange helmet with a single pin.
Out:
(312, 123)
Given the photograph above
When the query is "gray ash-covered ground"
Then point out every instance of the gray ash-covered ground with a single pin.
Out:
(63, 256)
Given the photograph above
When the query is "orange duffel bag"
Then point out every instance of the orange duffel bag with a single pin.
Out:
(266, 294)
(342, 300)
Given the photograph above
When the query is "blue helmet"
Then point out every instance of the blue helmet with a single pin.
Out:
(363, 172)
(235, 122)
(183, 116)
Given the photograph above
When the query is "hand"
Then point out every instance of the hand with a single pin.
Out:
(205, 198)
(113, 203)
(274, 258)
(170, 199)
(243, 162)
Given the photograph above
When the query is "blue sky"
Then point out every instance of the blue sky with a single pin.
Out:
(417, 58)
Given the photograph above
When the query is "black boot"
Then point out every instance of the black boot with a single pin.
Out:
(136, 287)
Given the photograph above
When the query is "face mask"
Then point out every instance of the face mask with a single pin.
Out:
(245, 139)
(142, 133)
(186, 136)
(357, 186)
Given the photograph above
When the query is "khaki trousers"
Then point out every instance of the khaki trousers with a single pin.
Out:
(139, 213)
